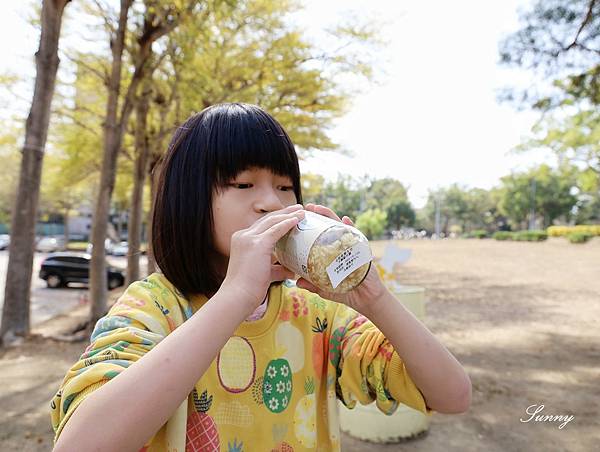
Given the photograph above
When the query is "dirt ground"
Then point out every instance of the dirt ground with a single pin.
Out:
(522, 318)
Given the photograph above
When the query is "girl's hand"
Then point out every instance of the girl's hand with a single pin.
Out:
(250, 270)
(362, 298)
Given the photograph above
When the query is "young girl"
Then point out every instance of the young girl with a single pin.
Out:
(222, 350)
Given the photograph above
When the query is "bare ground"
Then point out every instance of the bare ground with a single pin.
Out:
(522, 318)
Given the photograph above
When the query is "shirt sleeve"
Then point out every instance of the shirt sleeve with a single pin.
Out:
(138, 321)
(368, 368)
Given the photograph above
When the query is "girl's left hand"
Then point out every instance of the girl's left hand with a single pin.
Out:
(362, 298)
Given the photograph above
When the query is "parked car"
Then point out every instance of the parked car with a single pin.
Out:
(60, 269)
(120, 249)
(50, 244)
(4, 241)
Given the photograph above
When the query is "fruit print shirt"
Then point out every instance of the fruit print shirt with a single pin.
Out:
(273, 386)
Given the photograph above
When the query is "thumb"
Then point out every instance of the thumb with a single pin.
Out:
(304, 284)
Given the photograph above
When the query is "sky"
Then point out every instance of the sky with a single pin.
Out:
(432, 121)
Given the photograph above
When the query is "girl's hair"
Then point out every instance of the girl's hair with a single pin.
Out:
(205, 153)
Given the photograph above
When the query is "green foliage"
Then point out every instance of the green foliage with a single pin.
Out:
(530, 236)
(249, 52)
(503, 235)
(400, 213)
(345, 196)
(372, 223)
(391, 196)
(579, 237)
(557, 37)
(562, 41)
(477, 234)
(469, 209)
(553, 197)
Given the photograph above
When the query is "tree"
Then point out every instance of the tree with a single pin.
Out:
(246, 52)
(560, 39)
(15, 311)
(400, 213)
(552, 197)
(313, 188)
(345, 196)
(157, 21)
(372, 223)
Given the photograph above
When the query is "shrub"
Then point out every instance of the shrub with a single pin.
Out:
(531, 236)
(579, 237)
(561, 231)
(503, 235)
(479, 234)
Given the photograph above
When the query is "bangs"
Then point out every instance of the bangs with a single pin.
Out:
(243, 136)
(205, 153)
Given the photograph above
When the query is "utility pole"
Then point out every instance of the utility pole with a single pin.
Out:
(532, 214)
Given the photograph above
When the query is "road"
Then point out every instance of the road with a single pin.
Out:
(47, 303)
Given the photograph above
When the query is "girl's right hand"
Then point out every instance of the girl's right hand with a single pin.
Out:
(250, 271)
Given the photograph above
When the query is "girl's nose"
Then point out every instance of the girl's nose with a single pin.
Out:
(269, 201)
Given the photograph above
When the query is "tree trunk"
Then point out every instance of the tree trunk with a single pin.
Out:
(141, 163)
(15, 311)
(112, 143)
(114, 129)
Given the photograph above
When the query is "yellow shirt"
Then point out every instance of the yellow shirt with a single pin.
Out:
(273, 386)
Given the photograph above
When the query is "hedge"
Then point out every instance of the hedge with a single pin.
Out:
(561, 231)
(521, 236)
(579, 237)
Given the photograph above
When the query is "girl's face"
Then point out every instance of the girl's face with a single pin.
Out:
(247, 198)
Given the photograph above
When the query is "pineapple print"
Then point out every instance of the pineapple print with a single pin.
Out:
(279, 431)
(236, 365)
(319, 347)
(335, 346)
(201, 432)
(235, 447)
(277, 385)
(305, 416)
(257, 390)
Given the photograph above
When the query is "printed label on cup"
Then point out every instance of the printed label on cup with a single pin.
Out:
(348, 261)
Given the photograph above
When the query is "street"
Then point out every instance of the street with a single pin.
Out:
(45, 302)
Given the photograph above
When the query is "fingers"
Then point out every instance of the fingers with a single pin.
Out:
(289, 219)
(273, 217)
(322, 210)
(282, 224)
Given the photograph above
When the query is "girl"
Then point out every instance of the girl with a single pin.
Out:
(222, 350)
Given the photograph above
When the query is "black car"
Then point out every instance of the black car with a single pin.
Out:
(59, 269)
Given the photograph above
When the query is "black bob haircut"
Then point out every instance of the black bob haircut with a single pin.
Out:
(206, 152)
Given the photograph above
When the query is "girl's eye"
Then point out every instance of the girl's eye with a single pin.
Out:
(242, 186)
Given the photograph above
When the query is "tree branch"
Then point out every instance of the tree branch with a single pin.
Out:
(102, 76)
(587, 19)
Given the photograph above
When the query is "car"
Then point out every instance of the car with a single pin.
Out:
(120, 249)
(4, 241)
(50, 244)
(60, 269)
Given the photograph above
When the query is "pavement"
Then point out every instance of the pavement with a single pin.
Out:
(48, 303)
